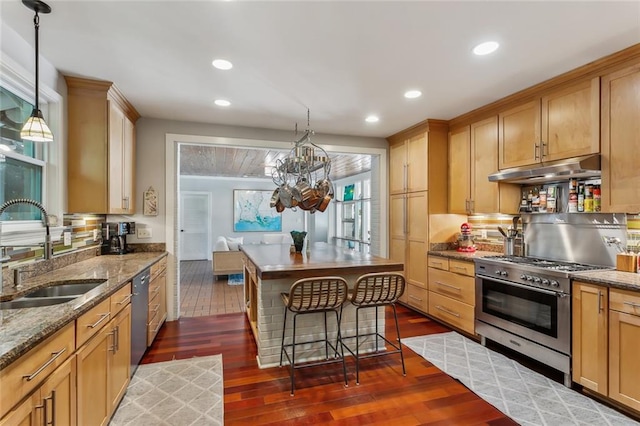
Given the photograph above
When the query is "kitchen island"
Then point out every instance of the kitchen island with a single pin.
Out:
(271, 269)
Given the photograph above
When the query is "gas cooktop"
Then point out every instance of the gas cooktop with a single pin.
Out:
(546, 264)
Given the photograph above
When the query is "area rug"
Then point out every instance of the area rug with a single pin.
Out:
(174, 393)
(527, 397)
(236, 279)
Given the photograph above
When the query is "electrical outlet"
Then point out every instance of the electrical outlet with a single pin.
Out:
(483, 234)
(143, 232)
(95, 234)
(67, 238)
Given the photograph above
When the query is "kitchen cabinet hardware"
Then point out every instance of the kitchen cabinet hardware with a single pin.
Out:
(54, 356)
(449, 285)
(51, 398)
(415, 297)
(446, 311)
(102, 318)
(125, 300)
(632, 304)
(600, 296)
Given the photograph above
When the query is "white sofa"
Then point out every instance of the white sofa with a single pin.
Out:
(227, 258)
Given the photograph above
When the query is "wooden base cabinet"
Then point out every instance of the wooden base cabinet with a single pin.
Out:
(452, 292)
(606, 342)
(624, 347)
(54, 403)
(157, 299)
(590, 334)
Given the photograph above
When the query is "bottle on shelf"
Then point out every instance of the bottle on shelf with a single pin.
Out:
(580, 198)
(588, 198)
(542, 208)
(597, 201)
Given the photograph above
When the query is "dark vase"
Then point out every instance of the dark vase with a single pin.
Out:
(298, 240)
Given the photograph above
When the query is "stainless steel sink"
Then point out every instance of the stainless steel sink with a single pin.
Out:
(73, 289)
(34, 302)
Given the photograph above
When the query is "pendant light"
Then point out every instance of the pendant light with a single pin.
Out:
(36, 129)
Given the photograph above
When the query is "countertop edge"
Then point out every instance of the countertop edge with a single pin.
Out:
(79, 308)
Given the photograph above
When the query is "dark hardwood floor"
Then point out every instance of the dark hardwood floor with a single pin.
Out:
(254, 396)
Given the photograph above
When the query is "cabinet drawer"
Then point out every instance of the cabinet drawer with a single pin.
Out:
(624, 301)
(158, 267)
(154, 307)
(438, 262)
(418, 297)
(152, 328)
(462, 267)
(452, 312)
(120, 299)
(92, 321)
(30, 370)
(459, 287)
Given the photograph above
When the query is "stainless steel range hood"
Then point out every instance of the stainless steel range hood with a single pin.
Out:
(552, 171)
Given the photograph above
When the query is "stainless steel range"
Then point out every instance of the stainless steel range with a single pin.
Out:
(524, 302)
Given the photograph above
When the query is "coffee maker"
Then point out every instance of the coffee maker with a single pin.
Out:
(114, 237)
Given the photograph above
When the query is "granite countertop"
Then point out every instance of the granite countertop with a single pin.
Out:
(22, 329)
(469, 257)
(610, 278)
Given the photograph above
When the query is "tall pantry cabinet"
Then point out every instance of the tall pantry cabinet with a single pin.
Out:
(418, 188)
(101, 148)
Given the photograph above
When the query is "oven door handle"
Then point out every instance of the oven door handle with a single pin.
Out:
(560, 294)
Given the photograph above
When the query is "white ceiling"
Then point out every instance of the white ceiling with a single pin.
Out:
(343, 60)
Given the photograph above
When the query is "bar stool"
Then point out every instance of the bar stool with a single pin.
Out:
(373, 291)
(312, 296)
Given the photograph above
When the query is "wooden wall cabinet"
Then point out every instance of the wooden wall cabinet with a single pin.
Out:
(408, 170)
(621, 140)
(563, 123)
(157, 299)
(101, 148)
(473, 156)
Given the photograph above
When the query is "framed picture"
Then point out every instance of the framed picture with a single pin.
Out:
(150, 202)
(348, 192)
(252, 212)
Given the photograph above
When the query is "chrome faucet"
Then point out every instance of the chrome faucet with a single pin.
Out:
(45, 222)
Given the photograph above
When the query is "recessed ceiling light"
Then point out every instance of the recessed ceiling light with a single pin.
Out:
(486, 48)
(372, 119)
(222, 64)
(222, 102)
(412, 94)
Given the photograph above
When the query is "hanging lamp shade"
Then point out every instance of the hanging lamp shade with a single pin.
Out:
(36, 129)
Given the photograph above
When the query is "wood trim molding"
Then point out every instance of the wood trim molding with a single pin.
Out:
(100, 88)
(430, 124)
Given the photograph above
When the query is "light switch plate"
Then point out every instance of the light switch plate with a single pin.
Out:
(67, 238)
(143, 232)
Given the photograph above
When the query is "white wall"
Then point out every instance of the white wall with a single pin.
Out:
(221, 190)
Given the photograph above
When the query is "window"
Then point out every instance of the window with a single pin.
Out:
(353, 215)
(21, 167)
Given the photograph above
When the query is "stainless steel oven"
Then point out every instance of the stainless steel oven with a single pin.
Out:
(525, 304)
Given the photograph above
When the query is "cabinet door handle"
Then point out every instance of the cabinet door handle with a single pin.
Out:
(102, 318)
(416, 298)
(632, 304)
(405, 178)
(125, 300)
(54, 356)
(459, 268)
(446, 311)
(449, 285)
(536, 147)
(51, 398)
(542, 150)
(404, 216)
(600, 294)
(472, 203)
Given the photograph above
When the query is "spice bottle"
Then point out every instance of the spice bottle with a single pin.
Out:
(542, 208)
(572, 206)
(580, 198)
(535, 200)
(597, 201)
(588, 198)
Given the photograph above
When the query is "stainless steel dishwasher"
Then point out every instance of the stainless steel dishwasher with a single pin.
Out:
(139, 314)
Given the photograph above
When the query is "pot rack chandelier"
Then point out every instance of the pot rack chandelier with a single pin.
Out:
(302, 177)
(36, 129)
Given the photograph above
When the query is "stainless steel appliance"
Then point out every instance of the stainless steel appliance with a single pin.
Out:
(524, 302)
(139, 313)
(114, 237)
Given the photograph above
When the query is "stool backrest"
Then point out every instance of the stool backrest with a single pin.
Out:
(317, 293)
(378, 289)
